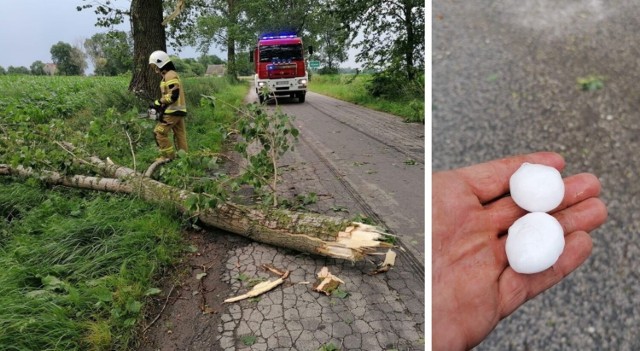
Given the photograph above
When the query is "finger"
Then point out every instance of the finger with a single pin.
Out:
(490, 180)
(516, 289)
(503, 212)
(583, 216)
(581, 187)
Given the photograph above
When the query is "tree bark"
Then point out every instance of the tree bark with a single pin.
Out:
(232, 69)
(306, 232)
(148, 36)
(231, 58)
(410, 45)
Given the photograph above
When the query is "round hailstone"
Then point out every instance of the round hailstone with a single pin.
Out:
(536, 188)
(534, 243)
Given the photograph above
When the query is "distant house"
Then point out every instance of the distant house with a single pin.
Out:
(50, 68)
(216, 70)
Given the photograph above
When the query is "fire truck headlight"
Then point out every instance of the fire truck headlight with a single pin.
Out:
(302, 82)
(261, 84)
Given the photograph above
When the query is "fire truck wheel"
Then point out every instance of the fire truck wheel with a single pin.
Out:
(301, 97)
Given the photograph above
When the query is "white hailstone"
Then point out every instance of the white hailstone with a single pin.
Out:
(536, 188)
(534, 243)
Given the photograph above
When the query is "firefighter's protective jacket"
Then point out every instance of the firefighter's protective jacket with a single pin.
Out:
(173, 95)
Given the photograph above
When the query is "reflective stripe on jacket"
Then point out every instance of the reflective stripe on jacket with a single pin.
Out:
(173, 94)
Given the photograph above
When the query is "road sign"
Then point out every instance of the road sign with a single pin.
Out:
(314, 64)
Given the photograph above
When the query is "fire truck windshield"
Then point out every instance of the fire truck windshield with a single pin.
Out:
(274, 53)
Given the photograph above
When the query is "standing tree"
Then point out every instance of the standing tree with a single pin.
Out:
(393, 32)
(148, 36)
(207, 60)
(243, 65)
(18, 70)
(2, 71)
(281, 15)
(331, 39)
(310, 19)
(148, 33)
(231, 24)
(188, 67)
(70, 60)
(111, 53)
(221, 23)
(37, 68)
(234, 25)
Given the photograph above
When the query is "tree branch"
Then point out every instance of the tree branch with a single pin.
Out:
(306, 232)
(175, 13)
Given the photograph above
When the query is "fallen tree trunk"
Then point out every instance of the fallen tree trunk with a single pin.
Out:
(306, 232)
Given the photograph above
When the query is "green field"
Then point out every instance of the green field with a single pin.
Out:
(77, 267)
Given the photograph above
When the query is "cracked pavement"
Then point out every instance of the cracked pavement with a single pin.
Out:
(379, 312)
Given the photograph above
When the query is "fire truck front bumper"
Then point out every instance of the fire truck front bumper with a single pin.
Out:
(282, 86)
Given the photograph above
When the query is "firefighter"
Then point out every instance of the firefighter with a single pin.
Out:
(171, 107)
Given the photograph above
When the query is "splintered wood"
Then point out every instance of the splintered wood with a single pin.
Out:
(389, 261)
(260, 288)
(326, 282)
(356, 241)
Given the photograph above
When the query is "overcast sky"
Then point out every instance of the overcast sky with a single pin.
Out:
(31, 27)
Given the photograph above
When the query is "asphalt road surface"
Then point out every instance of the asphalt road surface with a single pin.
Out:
(506, 81)
(370, 163)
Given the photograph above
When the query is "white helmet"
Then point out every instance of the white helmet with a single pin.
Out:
(159, 58)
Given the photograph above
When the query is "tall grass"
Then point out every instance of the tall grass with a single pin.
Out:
(77, 267)
(351, 88)
(205, 118)
(72, 261)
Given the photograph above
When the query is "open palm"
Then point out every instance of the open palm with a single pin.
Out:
(473, 285)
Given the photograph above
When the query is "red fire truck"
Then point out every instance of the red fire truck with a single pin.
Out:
(280, 66)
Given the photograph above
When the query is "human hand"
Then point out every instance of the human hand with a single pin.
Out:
(473, 285)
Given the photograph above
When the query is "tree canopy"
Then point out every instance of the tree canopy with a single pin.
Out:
(111, 53)
(388, 34)
(70, 60)
(37, 68)
(392, 32)
(17, 70)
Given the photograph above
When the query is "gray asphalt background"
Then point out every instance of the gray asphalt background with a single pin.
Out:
(505, 82)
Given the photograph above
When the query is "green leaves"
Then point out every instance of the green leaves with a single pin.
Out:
(301, 201)
(591, 82)
(39, 113)
(273, 135)
(248, 340)
(339, 293)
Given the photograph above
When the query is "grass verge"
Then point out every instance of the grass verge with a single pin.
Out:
(352, 88)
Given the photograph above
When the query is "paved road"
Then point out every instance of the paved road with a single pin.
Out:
(377, 158)
(505, 82)
(357, 161)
